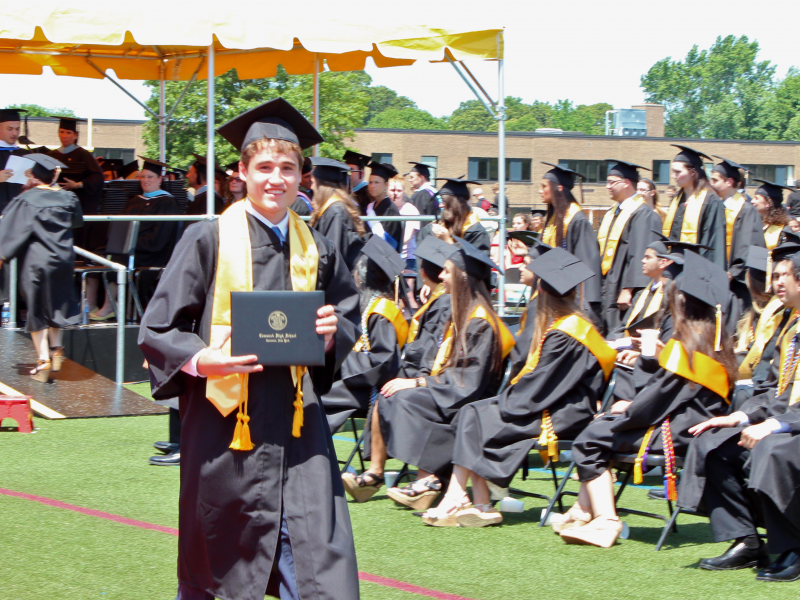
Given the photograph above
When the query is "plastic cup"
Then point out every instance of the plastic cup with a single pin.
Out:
(390, 478)
(649, 338)
(510, 505)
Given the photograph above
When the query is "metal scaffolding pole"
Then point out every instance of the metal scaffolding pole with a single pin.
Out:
(210, 161)
(501, 177)
(316, 98)
(162, 118)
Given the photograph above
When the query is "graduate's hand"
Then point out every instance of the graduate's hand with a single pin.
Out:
(395, 385)
(620, 406)
(5, 175)
(71, 185)
(754, 434)
(213, 363)
(440, 231)
(327, 324)
(731, 420)
(424, 292)
(628, 357)
(624, 300)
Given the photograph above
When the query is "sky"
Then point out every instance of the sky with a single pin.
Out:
(582, 50)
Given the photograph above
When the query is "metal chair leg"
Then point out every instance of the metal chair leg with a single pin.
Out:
(671, 524)
(558, 494)
(356, 449)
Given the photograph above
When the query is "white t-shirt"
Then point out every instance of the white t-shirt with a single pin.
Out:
(412, 227)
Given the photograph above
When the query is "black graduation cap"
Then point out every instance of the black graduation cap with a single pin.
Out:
(773, 191)
(560, 271)
(112, 164)
(690, 156)
(420, 168)
(327, 169)
(200, 163)
(537, 250)
(46, 161)
(385, 263)
(704, 280)
(528, 237)
(68, 123)
(789, 235)
(757, 258)
(154, 166)
(785, 252)
(455, 187)
(24, 140)
(128, 168)
(673, 249)
(561, 175)
(354, 158)
(11, 114)
(625, 170)
(541, 213)
(434, 250)
(273, 120)
(232, 167)
(468, 258)
(728, 169)
(383, 170)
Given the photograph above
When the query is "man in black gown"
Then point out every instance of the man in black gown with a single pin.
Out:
(358, 181)
(424, 197)
(266, 511)
(196, 176)
(381, 205)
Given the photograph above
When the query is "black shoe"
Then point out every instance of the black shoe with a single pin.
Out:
(785, 568)
(656, 494)
(166, 447)
(168, 460)
(738, 556)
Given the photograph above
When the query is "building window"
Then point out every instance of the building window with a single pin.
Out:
(661, 171)
(382, 157)
(485, 169)
(595, 171)
(126, 154)
(432, 162)
(780, 174)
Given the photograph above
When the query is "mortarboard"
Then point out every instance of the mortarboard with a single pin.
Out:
(704, 281)
(354, 158)
(45, 166)
(384, 263)
(785, 252)
(455, 187)
(470, 259)
(728, 169)
(757, 258)
(154, 166)
(327, 169)
(200, 163)
(562, 176)
(128, 169)
(788, 235)
(772, 191)
(528, 237)
(273, 120)
(537, 250)
(673, 249)
(11, 114)
(625, 170)
(383, 170)
(232, 167)
(690, 156)
(559, 271)
(420, 168)
(112, 164)
(434, 250)
(540, 213)
(68, 123)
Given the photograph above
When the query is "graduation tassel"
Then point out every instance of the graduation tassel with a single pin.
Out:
(769, 273)
(548, 441)
(670, 479)
(638, 474)
(718, 333)
(241, 435)
(297, 421)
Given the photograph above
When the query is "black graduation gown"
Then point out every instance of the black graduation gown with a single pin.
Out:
(362, 374)
(9, 191)
(475, 234)
(793, 204)
(495, 435)
(300, 207)
(198, 205)
(711, 228)
(425, 201)
(81, 166)
(417, 423)
(361, 196)
(156, 239)
(666, 395)
(747, 231)
(519, 353)
(37, 229)
(230, 501)
(581, 240)
(386, 208)
(337, 225)
(626, 270)
(416, 355)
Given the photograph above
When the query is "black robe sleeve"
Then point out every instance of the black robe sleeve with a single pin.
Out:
(300, 207)
(479, 237)
(336, 224)
(640, 235)
(156, 239)
(360, 369)
(713, 231)
(747, 231)
(519, 353)
(431, 327)
(16, 228)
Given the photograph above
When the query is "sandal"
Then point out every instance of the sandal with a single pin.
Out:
(574, 517)
(481, 515)
(602, 532)
(57, 358)
(412, 497)
(41, 372)
(359, 488)
(440, 517)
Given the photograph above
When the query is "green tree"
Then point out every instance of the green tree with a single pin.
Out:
(34, 110)
(406, 118)
(589, 119)
(471, 116)
(782, 108)
(382, 98)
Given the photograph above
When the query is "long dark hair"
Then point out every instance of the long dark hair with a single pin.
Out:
(325, 190)
(455, 213)
(558, 207)
(757, 286)
(699, 180)
(550, 307)
(775, 215)
(369, 285)
(695, 328)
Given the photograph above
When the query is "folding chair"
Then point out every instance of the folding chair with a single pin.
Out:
(356, 448)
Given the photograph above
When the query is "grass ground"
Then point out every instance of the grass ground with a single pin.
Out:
(49, 553)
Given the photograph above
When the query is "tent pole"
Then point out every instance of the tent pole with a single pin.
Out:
(162, 119)
(210, 160)
(316, 98)
(116, 83)
(501, 177)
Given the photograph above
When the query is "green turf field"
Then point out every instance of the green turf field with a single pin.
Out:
(48, 553)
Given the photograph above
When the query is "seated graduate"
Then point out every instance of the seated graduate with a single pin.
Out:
(429, 321)
(335, 213)
(381, 205)
(376, 355)
(272, 496)
(412, 418)
(554, 396)
(697, 371)
(718, 464)
(37, 229)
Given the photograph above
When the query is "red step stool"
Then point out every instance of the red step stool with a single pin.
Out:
(19, 409)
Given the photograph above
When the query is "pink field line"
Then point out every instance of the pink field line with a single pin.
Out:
(368, 577)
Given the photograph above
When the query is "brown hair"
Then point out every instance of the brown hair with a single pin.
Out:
(326, 190)
(526, 218)
(695, 328)
(659, 211)
(745, 328)
(775, 215)
(559, 204)
(283, 146)
(455, 213)
(549, 308)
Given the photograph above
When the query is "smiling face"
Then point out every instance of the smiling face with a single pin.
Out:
(272, 178)
(447, 276)
(150, 181)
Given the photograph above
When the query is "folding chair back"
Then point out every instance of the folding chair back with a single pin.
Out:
(122, 236)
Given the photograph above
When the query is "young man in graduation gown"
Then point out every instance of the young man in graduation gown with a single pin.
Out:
(424, 196)
(623, 235)
(261, 499)
(742, 226)
(358, 180)
(196, 177)
(696, 215)
(381, 205)
(83, 175)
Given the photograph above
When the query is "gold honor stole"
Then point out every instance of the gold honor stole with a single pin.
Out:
(792, 373)
(691, 216)
(389, 311)
(609, 240)
(328, 204)
(234, 273)
(652, 306)
(730, 220)
(506, 339)
(413, 329)
(472, 219)
(772, 235)
(549, 235)
(767, 324)
(703, 370)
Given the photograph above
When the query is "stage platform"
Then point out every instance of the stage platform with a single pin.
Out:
(74, 392)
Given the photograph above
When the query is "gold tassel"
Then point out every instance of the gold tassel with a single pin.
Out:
(718, 333)
(241, 435)
(548, 441)
(638, 475)
(769, 273)
(297, 421)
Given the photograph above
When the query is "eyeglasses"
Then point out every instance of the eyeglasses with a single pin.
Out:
(611, 183)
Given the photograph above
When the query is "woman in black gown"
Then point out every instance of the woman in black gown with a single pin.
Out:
(37, 228)
(697, 370)
(554, 396)
(335, 213)
(412, 418)
(457, 218)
